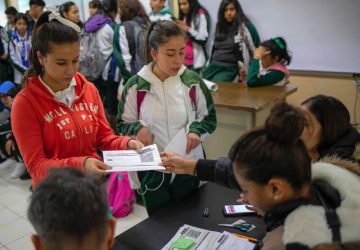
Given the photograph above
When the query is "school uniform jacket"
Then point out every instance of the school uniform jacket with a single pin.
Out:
(50, 134)
(167, 106)
(198, 34)
(276, 74)
(301, 224)
(104, 37)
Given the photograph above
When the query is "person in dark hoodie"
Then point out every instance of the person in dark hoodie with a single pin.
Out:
(327, 132)
(303, 205)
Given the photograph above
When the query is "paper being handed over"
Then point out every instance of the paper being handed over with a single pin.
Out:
(148, 158)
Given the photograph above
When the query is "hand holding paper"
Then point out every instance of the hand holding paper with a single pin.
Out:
(148, 158)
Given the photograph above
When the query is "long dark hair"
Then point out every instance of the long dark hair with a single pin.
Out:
(275, 150)
(106, 7)
(333, 116)
(194, 7)
(222, 26)
(131, 9)
(278, 47)
(44, 35)
(158, 34)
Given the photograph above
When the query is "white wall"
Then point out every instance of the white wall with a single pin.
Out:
(323, 35)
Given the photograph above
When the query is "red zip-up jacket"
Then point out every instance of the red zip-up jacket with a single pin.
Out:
(50, 134)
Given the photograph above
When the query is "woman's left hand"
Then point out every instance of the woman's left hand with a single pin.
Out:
(182, 25)
(135, 144)
(193, 140)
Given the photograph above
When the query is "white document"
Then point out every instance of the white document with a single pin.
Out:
(211, 85)
(178, 145)
(209, 240)
(148, 158)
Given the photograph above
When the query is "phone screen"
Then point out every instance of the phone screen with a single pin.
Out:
(237, 209)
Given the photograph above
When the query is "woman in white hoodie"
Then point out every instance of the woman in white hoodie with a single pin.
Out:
(162, 99)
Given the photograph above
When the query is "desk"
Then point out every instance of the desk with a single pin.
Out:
(238, 110)
(154, 232)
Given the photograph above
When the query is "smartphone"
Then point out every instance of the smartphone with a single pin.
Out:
(235, 210)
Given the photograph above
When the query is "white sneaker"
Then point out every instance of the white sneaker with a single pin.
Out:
(7, 163)
(19, 170)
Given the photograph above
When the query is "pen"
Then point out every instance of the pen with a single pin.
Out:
(245, 237)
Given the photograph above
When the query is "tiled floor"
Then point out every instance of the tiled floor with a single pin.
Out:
(15, 230)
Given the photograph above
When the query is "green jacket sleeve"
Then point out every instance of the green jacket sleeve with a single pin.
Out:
(253, 78)
(205, 122)
(253, 32)
(127, 121)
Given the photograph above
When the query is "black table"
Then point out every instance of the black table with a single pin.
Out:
(157, 230)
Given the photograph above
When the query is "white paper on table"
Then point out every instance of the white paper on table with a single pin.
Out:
(131, 160)
(209, 240)
(232, 242)
(178, 146)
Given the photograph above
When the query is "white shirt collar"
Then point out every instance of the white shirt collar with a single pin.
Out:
(66, 96)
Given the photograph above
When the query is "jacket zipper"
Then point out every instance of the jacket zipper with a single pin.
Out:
(166, 113)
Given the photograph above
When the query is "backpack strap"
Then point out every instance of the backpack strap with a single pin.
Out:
(332, 218)
(120, 62)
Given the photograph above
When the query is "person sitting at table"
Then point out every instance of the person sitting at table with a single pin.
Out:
(69, 210)
(269, 64)
(327, 132)
(303, 205)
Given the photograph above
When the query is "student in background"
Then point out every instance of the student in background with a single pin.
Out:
(94, 5)
(106, 30)
(69, 210)
(135, 22)
(159, 11)
(19, 47)
(10, 13)
(33, 14)
(195, 22)
(8, 91)
(328, 131)
(65, 121)
(269, 64)
(235, 41)
(70, 11)
(6, 70)
(159, 101)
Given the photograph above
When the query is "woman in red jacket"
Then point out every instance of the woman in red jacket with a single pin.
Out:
(58, 118)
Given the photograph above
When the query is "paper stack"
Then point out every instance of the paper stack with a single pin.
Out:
(191, 238)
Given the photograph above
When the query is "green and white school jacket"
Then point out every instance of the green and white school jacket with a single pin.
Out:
(276, 74)
(181, 101)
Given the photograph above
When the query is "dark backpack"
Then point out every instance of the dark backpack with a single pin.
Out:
(135, 34)
(92, 63)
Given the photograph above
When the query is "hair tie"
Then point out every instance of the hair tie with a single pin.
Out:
(54, 16)
(279, 43)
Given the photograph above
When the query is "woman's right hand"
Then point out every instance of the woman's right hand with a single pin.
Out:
(177, 164)
(144, 135)
(95, 167)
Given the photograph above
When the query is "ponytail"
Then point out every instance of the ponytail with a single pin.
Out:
(278, 47)
(49, 29)
(158, 34)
